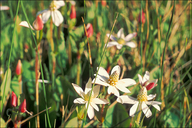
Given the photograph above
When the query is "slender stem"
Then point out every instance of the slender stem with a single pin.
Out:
(20, 83)
(78, 68)
(139, 116)
(69, 51)
(51, 35)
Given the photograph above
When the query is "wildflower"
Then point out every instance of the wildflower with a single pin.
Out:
(103, 3)
(53, 12)
(86, 95)
(22, 107)
(145, 81)
(18, 67)
(37, 24)
(141, 17)
(140, 103)
(73, 11)
(112, 81)
(89, 29)
(13, 100)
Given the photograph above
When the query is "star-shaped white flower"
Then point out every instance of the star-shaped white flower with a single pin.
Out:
(140, 103)
(85, 97)
(146, 82)
(53, 12)
(121, 40)
(112, 81)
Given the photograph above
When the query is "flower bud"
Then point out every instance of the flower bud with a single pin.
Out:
(151, 85)
(89, 28)
(141, 18)
(73, 12)
(103, 3)
(38, 23)
(18, 68)
(13, 100)
(22, 107)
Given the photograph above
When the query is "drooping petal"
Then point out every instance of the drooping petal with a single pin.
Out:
(103, 73)
(133, 109)
(112, 43)
(25, 24)
(88, 86)
(130, 36)
(112, 37)
(146, 110)
(116, 68)
(113, 90)
(57, 17)
(99, 101)
(45, 15)
(126, 99)
(145, 77)
(120, 33)
(130, 44)
(99, 82)
(59, 4)
(140, 79)
(122, 88)
(79, 101)
(126, 82)
(94, 106)
(151, 96)
(96, 90)
(90, 112)
(78, 90)
(156, 106)
(119, 46)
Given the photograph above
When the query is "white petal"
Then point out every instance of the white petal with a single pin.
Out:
(119, 46)
(130, 44)
(99, 82)
(78, 90)
(150, 97)
(99, 101)
(57, 17)
(146, 110)
(133, 109)
(116, 68)
(4, 7)
(126, 99)
(130, 36)
(120, 33)
(113, 90)
(126, 82)
(112, 37)
(122, 88)
(59, 4)
(156, 106)
(96, 90)
(94, 106)
(79, 101)
(88, 86)
(145, 77)
(45, 16)
(140, 79)
(25, 24)
(103, 73)
(112, 43)
(90, 112)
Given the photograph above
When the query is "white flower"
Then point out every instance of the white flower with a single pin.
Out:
(53, 12)
(85, 97)
(145, 81)
(140, 103)
(4, 7)
(121, 40)
(112, 81)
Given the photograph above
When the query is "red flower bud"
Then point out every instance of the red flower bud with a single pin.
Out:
(18, 68)
(103, 3)
(13, 100)
(150, 86)
(89, 28)
(73, 12)
(38, 23)
(141, 18)
(22, 107)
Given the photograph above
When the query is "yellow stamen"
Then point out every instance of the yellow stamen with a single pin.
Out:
(53, 6)
(121, 41)
(86, 97)
(142, 96)
(113, 79)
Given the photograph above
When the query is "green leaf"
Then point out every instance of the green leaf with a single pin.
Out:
(72, 123)
(2, 123)
(171, 118)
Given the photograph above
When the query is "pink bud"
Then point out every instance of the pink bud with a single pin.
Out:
(19, 67)
(73, 12)
(141, 18)
(103, 3)
(13, 100)
(38, 23)
(22, 107)
(151, 85)
(89, 28)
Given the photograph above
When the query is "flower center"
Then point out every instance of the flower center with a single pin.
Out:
(86, 97)
(142, 96)
(113, 78)
(53, 6)
(121, 41)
